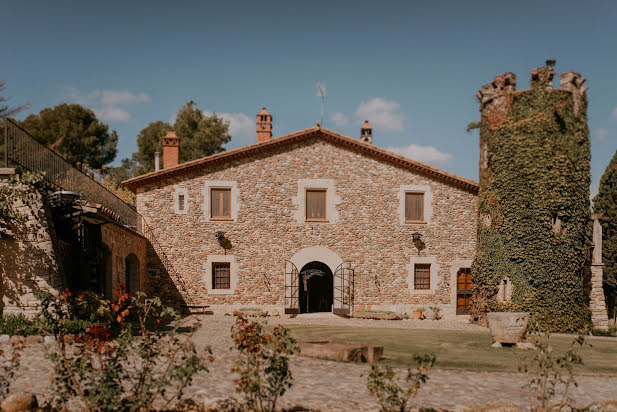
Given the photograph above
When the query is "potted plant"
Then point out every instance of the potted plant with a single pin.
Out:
(418, 313)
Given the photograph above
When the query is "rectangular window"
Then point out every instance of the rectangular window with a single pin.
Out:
(316, 204)
(220, 275)
(414, 207)
(221, 203)
(180, 202)
(422, 276)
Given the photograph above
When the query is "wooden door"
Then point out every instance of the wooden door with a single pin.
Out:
(463, 291)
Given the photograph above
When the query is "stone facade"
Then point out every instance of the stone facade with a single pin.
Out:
(27, 260)
(364, 226)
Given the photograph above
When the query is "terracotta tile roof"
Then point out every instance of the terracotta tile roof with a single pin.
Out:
(312, 132)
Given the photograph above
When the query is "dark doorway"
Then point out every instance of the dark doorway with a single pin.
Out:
(317, 295)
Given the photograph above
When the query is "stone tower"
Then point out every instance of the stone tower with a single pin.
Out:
(534, 222)
(264, 125)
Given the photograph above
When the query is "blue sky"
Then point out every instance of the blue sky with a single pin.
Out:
(411, 68)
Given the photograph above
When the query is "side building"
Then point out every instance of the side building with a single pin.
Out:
(313, 221)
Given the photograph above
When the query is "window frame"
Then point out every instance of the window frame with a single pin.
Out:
(410, 192)
(214, 273)
(427, 204)
(219, 218)
(325, 204)
(465, 293)
(181, 191)
(416, 266)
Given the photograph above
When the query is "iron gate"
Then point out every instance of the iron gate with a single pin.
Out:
(292, 289)
(343, 289)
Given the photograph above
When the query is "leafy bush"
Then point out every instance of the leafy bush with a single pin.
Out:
(9, 363)
(392, 397)
(145, 363)
(20, 325)
(547, 370)
(263, 364)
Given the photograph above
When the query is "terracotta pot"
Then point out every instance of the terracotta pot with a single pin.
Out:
(508, 327)
(417, 314)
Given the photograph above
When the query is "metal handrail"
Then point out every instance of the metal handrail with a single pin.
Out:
(24, 150)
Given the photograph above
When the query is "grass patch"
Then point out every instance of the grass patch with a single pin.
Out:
(249, 310)
(469, 350)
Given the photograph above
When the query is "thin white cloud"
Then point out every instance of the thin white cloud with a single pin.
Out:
(384, 115)
(615, 113)
(339, 119)
(242, 128)
(601, 134)
(427, 154)
(109, 105)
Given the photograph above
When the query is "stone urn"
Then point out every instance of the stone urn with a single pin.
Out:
(508, 327)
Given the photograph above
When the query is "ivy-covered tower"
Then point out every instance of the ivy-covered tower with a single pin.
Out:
(534, 212)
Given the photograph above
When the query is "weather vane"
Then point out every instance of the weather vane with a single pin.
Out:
(321, 92)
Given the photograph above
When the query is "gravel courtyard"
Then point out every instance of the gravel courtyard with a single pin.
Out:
(337, 386)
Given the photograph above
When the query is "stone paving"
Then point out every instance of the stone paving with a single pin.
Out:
(336, 386)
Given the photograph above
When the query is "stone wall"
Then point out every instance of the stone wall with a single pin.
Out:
(368, 231)
(121, 243)
(27, 260)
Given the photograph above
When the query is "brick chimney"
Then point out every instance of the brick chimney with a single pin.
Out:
(264, 126)
(366, 133)
(171, 150)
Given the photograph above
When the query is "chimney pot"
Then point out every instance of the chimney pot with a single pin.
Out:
(264, 125)
(171, 150)
(366, 133)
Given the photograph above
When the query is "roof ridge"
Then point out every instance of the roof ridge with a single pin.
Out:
(133, 183)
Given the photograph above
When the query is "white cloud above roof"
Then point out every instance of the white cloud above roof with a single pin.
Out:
(426, 154)
(383, 115)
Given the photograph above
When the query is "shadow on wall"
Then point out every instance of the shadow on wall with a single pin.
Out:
(27, 262)
(159, 282)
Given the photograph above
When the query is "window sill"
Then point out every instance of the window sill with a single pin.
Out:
(422, 292)
(415, 222)
(221, 219)
(317, 220)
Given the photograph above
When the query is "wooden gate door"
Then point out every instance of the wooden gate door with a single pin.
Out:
(463, 291)
(291, 288)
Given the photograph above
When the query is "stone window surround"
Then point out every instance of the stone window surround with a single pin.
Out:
(233, 274)
(432, 260)
(221, 184)
(457, 264)
(177, 192)
(332, 199)
(428, 200)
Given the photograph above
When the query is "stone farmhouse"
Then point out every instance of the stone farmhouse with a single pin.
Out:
(312, 221)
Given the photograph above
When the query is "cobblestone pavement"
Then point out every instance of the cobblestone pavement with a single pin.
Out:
(336, 386)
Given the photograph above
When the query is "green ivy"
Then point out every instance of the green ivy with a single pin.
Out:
(538, 172)
(19, 188)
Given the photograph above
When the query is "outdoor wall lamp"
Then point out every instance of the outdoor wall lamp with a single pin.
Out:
(416, 236)
(219, 234)
(417, 241)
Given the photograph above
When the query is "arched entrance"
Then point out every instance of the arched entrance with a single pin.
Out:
(316, 288)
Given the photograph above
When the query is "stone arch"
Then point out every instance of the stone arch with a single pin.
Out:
(316, 254)
(132, 271)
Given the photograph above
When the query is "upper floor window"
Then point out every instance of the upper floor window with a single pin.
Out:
(181, 202)
(220, 200)
(316, 204)
(414, 207)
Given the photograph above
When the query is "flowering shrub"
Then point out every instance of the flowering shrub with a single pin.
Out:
(263, 364)
(383, 383)
(143, 363)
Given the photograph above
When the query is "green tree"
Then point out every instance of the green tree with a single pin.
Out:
(149, 141)
(200, 135)
(605, 202)
(74, 133)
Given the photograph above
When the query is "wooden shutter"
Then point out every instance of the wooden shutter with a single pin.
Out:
(422, 276)
(414, 207)
(315, 205)
(220, 203)
(463, 291)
